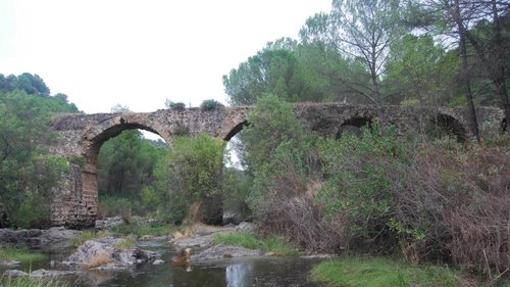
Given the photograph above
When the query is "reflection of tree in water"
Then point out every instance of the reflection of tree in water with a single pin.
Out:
(239, 275)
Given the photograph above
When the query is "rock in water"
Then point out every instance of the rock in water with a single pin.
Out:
(224, 251)
(104, 253)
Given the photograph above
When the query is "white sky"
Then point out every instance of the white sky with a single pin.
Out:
(138, 53)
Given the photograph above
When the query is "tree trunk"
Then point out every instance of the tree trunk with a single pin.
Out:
(465, 73)
(500, 79)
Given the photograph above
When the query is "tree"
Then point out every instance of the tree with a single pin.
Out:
(271, 123)
(27, 172)
(126, 168)
(297, 72)
(457, 18)
(272, 70)
(190, 179)
(419, 71)
(31, 84)
(362, 30)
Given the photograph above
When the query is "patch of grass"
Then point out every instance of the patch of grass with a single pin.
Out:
(247, 240)
(144, 229)
(88, 235)
(126, 242)
(382, 272)
(30, 282)
(22, 255)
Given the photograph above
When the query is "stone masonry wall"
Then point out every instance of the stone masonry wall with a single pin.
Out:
(81, 136)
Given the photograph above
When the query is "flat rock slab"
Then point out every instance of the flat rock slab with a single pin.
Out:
(194, 242)
(224, 251)
(39, 238)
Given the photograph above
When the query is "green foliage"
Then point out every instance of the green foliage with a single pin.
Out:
(175, 106)
(26, 82)
(271, 123)
(27, 173)
(209, 105)
(272, 244)
(362, 174)
(21, 255)
(87, 235)
(416, 70)
(112, 206)
(126, 242)
(31, 282)
(139, 229)
(382, 272)
(295, 73)
(236, 191)
(126, 173)
(195, 166)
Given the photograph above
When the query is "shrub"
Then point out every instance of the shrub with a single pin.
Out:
(209, 105)
(113, 206)
(175, 106)
(363, 177)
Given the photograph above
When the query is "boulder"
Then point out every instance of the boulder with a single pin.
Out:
(14, 273)
(104, 253)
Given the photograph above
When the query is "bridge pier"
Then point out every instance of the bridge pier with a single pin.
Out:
(74, 202)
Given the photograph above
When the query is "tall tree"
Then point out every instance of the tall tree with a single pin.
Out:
(361, 29)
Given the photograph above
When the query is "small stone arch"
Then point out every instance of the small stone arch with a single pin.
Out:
(235, 130)
(354, 126)
(443, 124)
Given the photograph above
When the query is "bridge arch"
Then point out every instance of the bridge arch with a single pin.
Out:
(443, 123)
(354, 125)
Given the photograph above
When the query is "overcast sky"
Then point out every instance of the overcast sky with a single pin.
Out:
(138, 53)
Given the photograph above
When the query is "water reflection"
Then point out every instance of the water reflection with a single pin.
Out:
(239, 275)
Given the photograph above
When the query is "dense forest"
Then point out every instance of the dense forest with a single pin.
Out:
(423, 197)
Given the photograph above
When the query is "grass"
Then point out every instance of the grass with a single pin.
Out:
(247, 240)
(88, 235)
(144, 229)
(22, 255)
(30, 282)
(382, 272)
(126, 242)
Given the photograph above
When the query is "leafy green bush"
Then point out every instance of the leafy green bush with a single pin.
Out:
(113, 206)
(28, 173)
(175, 106)
(363, 177)
(209, 105)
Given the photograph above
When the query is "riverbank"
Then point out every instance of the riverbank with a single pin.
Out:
(107, 256)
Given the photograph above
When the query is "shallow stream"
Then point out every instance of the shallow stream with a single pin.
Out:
(267, 271)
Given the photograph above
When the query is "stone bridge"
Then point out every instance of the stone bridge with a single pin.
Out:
(81, 136)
